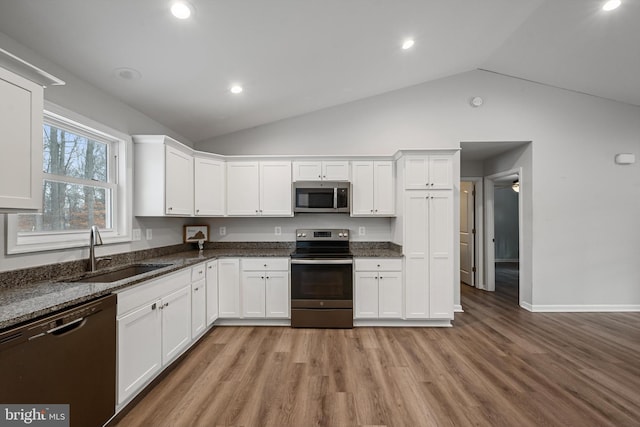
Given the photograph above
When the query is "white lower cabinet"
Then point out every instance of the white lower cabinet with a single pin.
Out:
(212, 292)
(378, 288)
(154, 327)
(198, 301)
(229, 288)
(265, 288)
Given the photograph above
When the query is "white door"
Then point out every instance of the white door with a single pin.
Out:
(336, 170)
(277, 294)
(209, 182)
(275, 189)
(384, 188)
(229, 288)
(176, 323)
(366, 295)
(178, 182)
(466, 233)
(139, 348)
(362, 188)
(390, 295)
(212, 292)
(253, 294)
(243, 188)
(198, 307)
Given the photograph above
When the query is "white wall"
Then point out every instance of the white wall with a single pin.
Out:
(581, 228)
(82, 98)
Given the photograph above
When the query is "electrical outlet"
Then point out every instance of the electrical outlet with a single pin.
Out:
(278, 231)
(223, 231)
(362, 231)
(149, 234)
(137, 234)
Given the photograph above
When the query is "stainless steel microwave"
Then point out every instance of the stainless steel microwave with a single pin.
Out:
(321, 196)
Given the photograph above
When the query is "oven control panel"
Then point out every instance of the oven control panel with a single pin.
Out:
(322, 234)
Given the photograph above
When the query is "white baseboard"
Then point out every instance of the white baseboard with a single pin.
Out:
(526, 306)
(457, 308)
(399, 323)
(596, 308)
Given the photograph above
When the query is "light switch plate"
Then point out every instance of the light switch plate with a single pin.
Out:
(137, 234)
(278, 231)
(223, 231)
(362, 231)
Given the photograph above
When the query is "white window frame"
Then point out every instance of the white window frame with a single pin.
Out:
(121, 167)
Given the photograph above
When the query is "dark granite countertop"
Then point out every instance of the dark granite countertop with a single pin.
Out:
(31, 293)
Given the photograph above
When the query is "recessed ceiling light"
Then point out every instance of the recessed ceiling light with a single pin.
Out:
(126, 73)
(611, 4)
(236, 89)
(181, 10)
(408, 44)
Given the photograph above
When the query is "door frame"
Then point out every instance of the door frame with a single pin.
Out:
(478, 237)
(489, 264)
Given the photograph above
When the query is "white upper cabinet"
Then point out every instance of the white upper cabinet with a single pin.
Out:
(163, 177)
(209, 186)
(433, 172)
(21, 104)
(178, 182)
(373, 188)
(325, 170)
(259, 188)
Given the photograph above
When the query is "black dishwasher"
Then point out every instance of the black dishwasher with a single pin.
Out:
(66, 358)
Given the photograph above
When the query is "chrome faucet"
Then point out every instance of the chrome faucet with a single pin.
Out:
(94, 240)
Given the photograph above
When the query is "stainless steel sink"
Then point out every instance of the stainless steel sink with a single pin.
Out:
(122, 273)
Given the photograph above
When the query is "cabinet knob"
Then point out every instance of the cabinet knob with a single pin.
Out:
(197, 210)
(262, 277)
(195, 289)
(432, 184)
(319, 176)
(153, 306)
(267, 277)
(170, 208)
(376, 210)
(256, 210)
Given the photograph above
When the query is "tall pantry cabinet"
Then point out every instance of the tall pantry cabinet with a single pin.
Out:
(426, 192)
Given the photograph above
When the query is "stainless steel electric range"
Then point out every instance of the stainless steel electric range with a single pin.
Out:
(322, 279)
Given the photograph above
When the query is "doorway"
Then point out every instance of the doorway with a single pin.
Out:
(503, 229)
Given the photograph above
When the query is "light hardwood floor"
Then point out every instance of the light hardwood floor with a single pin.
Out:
(498, 366)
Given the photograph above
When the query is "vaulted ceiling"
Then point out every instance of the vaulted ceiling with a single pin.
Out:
(297, 56)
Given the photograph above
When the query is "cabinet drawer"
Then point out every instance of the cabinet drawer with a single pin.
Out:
(145, 292)
(197, 272)
(265, 264)
(378, 264)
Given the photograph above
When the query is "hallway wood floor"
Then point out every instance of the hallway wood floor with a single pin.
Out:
(498, 366)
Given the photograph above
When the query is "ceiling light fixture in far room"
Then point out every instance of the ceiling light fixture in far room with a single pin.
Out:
(516, 186)
(181, 9)
(611, 4)
(408, 44)
(236, 89)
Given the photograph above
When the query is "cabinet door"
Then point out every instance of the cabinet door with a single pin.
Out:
(366, 295)
(307, 171)
(229, 288)
(139, 348)
(176, 323)
(335, 170)
(390, 295)
(416, 247)
(253, 294)
(416, 173)
(440, 172)
(440, 255)
(362, 189)
(275, 189)
(21, 160)
(243, 190)
(209, 183)
(212, 292)
(198, 308)
(384, 188)
(178, 182)
(277, 294)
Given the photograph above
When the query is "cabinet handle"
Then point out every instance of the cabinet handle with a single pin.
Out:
(170, 208)
(166, 304)
(153, 306)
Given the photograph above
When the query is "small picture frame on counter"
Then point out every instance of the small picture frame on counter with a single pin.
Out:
(196, 233)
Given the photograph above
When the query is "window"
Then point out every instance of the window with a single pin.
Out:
(84, 185)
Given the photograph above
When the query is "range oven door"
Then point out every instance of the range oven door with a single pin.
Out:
(322, 283)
